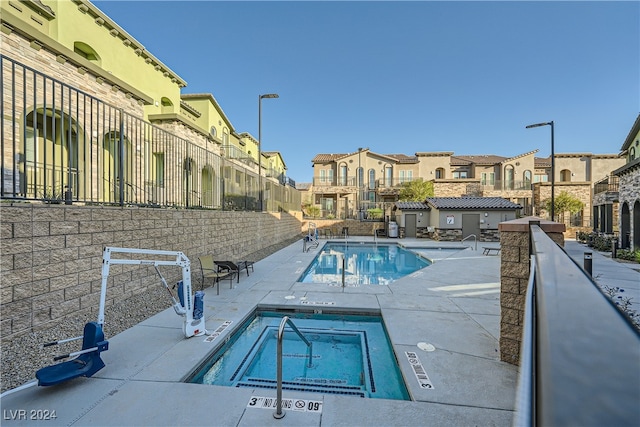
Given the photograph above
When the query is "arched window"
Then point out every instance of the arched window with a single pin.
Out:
(526, 177)
(508, 177)
(388, 176)
(372, 179)
(342, 174)
(565, 175)
(360, 177)
(51, 155)
(440, 173)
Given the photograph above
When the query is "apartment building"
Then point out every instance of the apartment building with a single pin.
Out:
(627, 178)
(91, 116)
(346, 185)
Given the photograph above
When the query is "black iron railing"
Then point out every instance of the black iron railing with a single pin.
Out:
(59, 143)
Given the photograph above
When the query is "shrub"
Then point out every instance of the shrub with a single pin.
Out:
(374, 213)
(628, 255)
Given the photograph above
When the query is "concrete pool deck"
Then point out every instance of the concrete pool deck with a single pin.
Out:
(452, 305)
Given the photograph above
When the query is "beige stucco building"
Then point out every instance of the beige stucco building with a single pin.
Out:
(348, 185)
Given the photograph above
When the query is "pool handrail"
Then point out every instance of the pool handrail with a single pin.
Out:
(279, 413)
(475, 240)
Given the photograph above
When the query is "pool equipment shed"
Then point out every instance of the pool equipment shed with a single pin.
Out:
(455, 218)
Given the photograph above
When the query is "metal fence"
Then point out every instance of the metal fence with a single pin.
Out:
(61, 144)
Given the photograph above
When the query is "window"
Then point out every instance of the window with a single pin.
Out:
(459, 174)
(406, 176)
(330, 177)
(488, 178)
(323, 176)
(565, 175)
(372, 179)
(388, 176)
(508, 177)
(360, 175)
(343, 174)
(157, 171)
(440, 173)
(527, 179)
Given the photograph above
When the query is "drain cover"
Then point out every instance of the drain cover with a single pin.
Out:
(425, 346)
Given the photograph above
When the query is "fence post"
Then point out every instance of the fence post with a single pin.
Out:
(588, 263)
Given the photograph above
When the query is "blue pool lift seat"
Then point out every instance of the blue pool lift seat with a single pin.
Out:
(86, 364)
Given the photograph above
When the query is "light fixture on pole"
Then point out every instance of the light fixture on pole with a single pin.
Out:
(260, 97)
(553, 166)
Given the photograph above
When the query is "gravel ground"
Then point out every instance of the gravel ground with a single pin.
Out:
(23, 356)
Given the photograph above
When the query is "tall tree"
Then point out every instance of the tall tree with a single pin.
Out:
(416, 191)
(564, 202)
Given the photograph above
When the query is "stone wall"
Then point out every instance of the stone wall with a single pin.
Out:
(514, 276)
(51, 255)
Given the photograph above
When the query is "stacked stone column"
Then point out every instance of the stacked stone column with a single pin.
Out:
(515, 268)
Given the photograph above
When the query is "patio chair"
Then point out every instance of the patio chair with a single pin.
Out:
(211, 270)
(235, 267)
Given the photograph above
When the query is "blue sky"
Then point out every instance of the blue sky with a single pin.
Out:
(404, 77)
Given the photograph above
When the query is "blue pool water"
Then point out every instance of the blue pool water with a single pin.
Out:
(351, 356)
(365, 264)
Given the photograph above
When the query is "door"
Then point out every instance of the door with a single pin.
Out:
(410, 225)
(471, 225)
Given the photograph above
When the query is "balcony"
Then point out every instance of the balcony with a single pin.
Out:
(609, 184)
(235, 153)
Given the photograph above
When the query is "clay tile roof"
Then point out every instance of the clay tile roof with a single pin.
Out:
(412, 206)
(403, 158)
(326, 158)
(482, 159)
(540, 162)
(471, 203)
(459, 161)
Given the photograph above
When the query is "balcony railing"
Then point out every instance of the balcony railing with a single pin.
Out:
(80, 149)
(502, 185)
(233, 152)
(579, 360)
(608, 184)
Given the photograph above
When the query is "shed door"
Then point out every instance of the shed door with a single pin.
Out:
(471, 225)
(410, 225)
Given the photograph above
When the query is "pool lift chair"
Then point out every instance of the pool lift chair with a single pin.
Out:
(310, 241)
(87, 361)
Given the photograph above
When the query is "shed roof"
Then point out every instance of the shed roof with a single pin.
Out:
(412, 206)
(460, 203)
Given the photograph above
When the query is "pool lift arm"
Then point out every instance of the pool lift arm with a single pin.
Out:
(87, 361)
(190, 310)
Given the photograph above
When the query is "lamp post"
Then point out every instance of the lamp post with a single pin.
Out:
(553, 166)
(260, 97)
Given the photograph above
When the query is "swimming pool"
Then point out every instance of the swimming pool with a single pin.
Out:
(364, 264)
(352, 356)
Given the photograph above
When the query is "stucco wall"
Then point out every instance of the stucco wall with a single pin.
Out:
(51, 255)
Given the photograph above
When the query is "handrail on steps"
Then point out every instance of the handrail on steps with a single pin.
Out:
(475, 239)
(279, 412)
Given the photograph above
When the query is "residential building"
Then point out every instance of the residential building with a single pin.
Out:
(91, 116)
(347, 185)
(628, 218)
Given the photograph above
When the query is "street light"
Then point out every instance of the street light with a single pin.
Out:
(553, 166)
(260, 97)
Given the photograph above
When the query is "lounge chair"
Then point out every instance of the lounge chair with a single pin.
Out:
(211, 270)
(235, 267)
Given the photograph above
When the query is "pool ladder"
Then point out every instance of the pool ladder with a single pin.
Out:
(279, 412)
